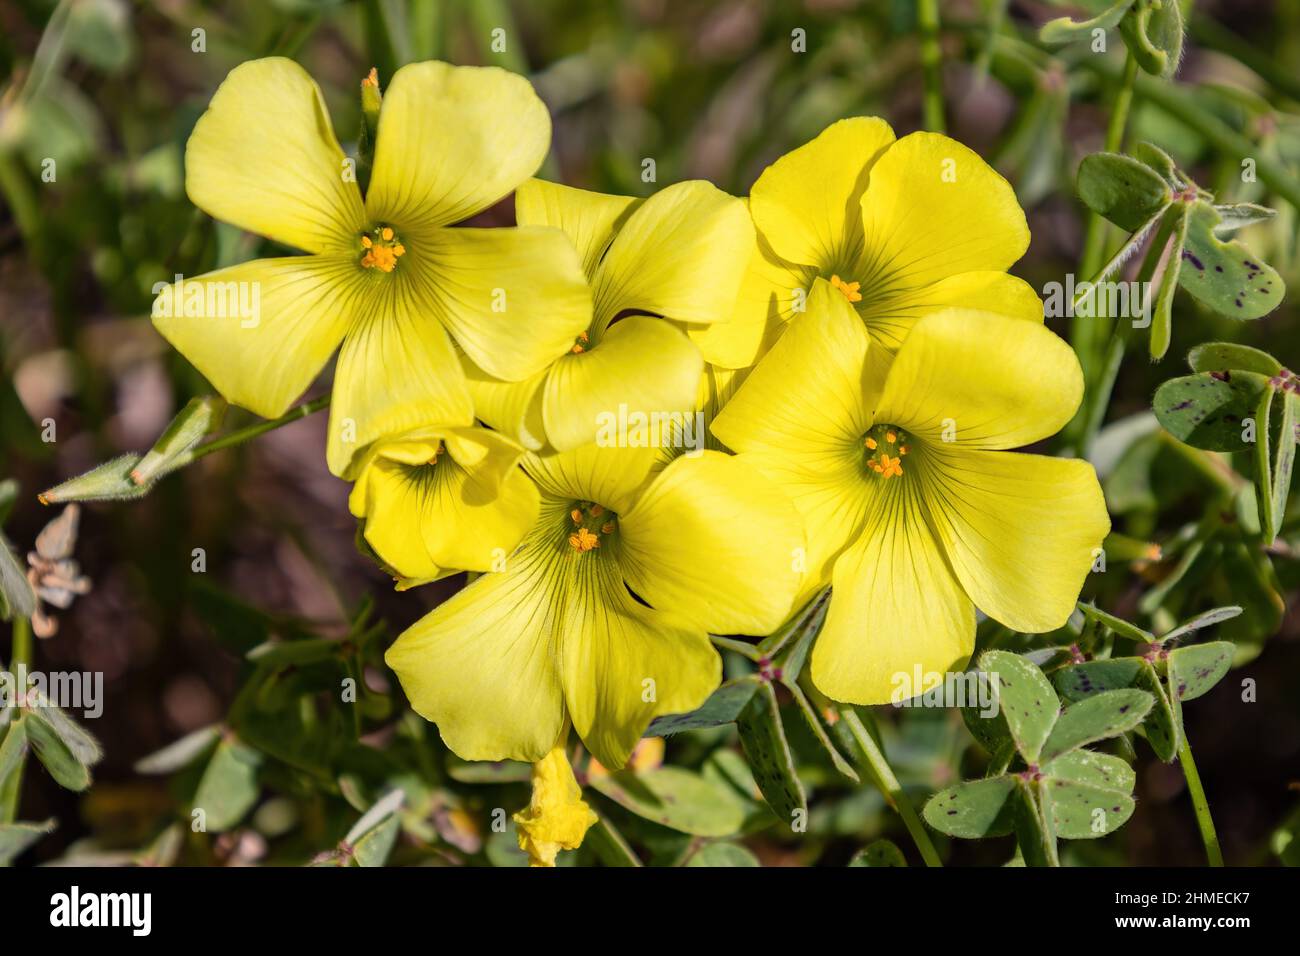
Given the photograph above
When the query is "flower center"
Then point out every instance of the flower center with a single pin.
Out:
(886, 445)
(848, 289)
(579, 344)
(382, 249)
(592, 523)
(433, 460)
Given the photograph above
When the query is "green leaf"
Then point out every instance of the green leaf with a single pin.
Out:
(76, 738)
(1026, 699)
(1092, 769)
(992, 732)
(200, 417)
(1229, 356)
(371, 838)
(1283, 465)
(1226, 276)
(1082, 812)
(229, 787)
(1164, 724)
(179, 753)
(1169, 268)
(763, 738)
(16, 595)
(1116, 624)
(723, 854)
(1207, 410)
(1234, 216)
(676, 798)
(1097, 718)
(810, 616)
(723, 707)
(609, 845)
(1122, 189)
(1160, 161)
(879, 853)
(50, 749)
(1194, 670)
(488, 771)
(1203, 620)
(1153, 32)
(820, 735)
(16, 838)
(1096, 677)
(1066, 30)
(974, 809)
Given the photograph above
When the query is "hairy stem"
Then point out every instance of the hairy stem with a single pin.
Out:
(889, 786)
(1203, 819)
(242, 435)
(1100, 361)
(20, 660)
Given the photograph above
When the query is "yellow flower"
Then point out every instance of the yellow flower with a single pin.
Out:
(384, 276)
(557, 818)
(676, 256)
(506, 664)
(440, 500)
(915, 512)
(900, 228)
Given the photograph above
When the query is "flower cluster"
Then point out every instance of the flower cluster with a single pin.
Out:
(849, 333)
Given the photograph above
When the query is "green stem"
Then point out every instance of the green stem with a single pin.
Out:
(889, 785)
(1203, 819)
(927, 16)
(20, 660)
(1100, 362)
(242, 435)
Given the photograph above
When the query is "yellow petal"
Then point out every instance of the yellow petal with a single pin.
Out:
(715, 541)
(514, 299)
(514, 408)
(261, 331)
(444, 499)
(807, 395)
(772, 292)
(624, 664)
(588, 395)
(397, 372)
(680, 254)
(482, 666)
(890, 319)
(895, 608)
(1019, 530)
(613, 477)
(264, 158)
(589, 219)
(557, 818)
(935, 209)
(981, 380)
(452, 141)
(806, 204)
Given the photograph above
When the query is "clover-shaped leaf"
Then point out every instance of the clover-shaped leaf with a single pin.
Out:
(1167, 675)
(1096, 718)
(762, 736)
(1106, 14)
(974, 809)
(1027, 701)
(1229, 356)
(1153, 32)
(1226, 276)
